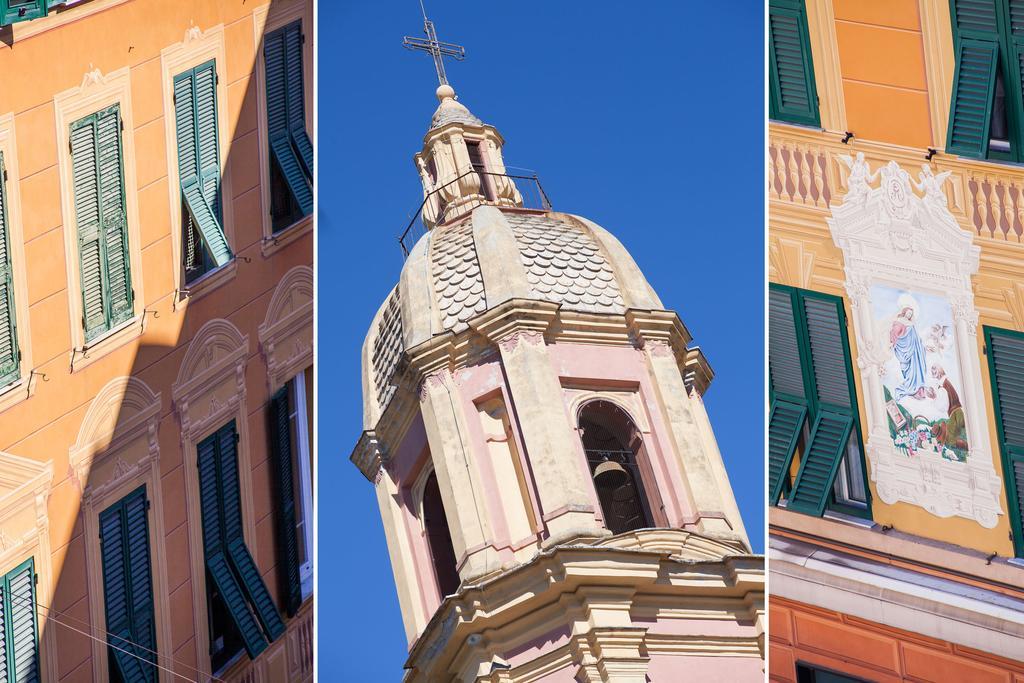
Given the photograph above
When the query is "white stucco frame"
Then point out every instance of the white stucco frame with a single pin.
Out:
(889, 235)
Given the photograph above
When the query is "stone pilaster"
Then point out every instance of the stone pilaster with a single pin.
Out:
(451, 452)
(606, 645)
(563, 486)
(659, 333)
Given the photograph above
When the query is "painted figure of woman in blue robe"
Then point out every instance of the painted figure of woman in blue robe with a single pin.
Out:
(909, 351)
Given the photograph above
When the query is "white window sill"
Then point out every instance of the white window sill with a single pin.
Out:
(282, 238)
(206, 283)
(16, 392)
(107, 342)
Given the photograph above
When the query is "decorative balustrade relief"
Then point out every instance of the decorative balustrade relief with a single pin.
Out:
(806, 170)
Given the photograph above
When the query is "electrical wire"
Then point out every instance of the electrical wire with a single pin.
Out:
(29, 603)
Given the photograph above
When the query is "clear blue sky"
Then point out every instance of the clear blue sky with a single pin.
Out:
(646, 117)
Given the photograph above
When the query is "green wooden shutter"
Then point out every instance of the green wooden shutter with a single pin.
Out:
(113, 216)
(13, 11)
(784, 425)
(288, 547)
(826, 335)
(128, 587)
(297, 97)
(821, 462)
(793, 94)
(21, 629)
(1006, 366)
(85, 178)
(234, 540)
(98, 178)
(195, 102)
(974, 83)
(211, 504)
(10, 356)
(285, 113)
(783, 345)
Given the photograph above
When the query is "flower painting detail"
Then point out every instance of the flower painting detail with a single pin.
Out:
(921, 373)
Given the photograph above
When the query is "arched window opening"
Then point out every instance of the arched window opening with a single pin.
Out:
(611, 443)
(439, 538)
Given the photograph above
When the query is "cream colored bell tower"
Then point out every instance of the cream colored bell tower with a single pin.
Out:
(555, 504)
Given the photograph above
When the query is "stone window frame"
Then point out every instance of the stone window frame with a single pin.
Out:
(30, 483)
(99, 441)
(269, 18)
(98, 91)
(196, 48)
(24, 387)
(224, 350)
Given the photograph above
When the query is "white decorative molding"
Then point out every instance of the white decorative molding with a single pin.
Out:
(124, 409)
(895, 239)
(286, 335)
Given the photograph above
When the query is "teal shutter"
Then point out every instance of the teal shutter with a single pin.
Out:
(287, 543)
(195, 107)
(10, 356)
(286, 122)
(211, 506)
(297, 97)
(98, 179)
(20, 657)
(821, 462)
(1006, 366)
(793, 95)
(128, 587)
(974, 83)
(13, 11)
(826, 334)
(234, 540)
(784, 425)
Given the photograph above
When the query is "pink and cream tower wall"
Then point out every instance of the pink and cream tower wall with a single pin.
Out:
(555, 503)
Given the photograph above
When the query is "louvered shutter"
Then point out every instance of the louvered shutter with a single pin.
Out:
(1006, 364)
(20, 625)
(784, 425)
(821, 462)
(783, 345)
(85, 178)
(793, 95)
(234, 540)
(297, 97)
(285, 113)
(195, 101)
(127, 587)
(288, 547)
(113, 218)
(826, 332)
(13, 11)
(9, 354)
(970, 113)
(219, 571)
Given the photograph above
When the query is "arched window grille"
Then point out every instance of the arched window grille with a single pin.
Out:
(611, 442)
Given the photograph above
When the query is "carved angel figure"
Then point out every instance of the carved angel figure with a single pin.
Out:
(931, 185)
(860, 177)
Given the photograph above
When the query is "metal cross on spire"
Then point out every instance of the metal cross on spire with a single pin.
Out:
(437, 49)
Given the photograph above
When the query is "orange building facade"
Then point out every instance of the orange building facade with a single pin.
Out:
(156, 331)
(896, 456)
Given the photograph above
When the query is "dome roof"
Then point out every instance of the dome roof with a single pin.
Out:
(450, 110)
(456, 272)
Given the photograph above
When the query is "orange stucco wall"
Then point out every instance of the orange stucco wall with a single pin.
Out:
(881, 57)
(38, 60)
(845, 644)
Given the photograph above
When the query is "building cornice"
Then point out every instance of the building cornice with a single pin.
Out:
(897, 596)
(565, 575)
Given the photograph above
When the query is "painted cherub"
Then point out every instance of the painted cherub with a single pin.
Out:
(931, 185)
(860, 177)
